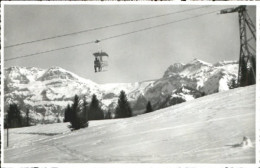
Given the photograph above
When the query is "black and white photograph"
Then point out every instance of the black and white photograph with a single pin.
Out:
(129, 83)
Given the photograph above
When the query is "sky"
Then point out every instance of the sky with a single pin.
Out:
(135, 57)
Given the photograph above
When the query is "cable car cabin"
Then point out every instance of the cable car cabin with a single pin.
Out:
(100, 61)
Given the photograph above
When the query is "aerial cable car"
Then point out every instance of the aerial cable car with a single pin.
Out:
(100, 62)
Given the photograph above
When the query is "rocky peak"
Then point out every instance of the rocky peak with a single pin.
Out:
(222, 63)
(199, 62)
(173, 69)
(56, 73)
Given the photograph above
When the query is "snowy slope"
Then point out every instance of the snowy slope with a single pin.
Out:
(206, 130)
(47, 92)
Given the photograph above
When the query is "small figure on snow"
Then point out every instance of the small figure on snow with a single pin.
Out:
(246, 142)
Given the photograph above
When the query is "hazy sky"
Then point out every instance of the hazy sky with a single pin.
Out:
(135, 57)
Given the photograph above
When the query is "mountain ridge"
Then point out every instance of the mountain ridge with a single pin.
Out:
(46, 92)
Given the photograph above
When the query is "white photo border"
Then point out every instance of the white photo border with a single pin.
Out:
(128, 165)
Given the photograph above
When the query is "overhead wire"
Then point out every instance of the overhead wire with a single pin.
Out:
(103, 27)
(112, 37)
(160, 25)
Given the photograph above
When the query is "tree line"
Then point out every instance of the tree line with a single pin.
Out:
(79, 113)
(14, 117)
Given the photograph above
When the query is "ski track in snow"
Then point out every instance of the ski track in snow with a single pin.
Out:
(205, 130)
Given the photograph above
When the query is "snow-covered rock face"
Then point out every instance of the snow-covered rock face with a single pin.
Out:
(22, 75)
(47, 92)
(56, 73)
(196, 75)
(173, 69)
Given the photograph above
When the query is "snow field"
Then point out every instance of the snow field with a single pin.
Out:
(204, 130)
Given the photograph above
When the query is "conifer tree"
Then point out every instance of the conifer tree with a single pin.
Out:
(67, 114)
(244, 74)
(252, 71)
(95, 111)
(149, 107)
(74, 121)
(84, 115)
(108, 115)
(27, 117)
(14, 118)
(123, 109)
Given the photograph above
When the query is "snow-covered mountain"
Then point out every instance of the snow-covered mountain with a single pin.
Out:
(47, 92)
(184, 82)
